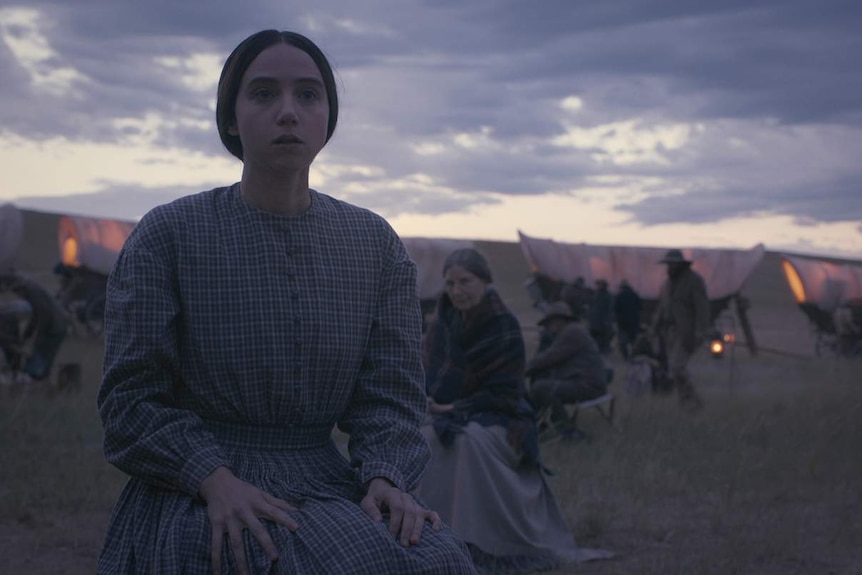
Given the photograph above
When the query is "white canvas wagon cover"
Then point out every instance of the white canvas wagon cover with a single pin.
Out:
(92, 242)
(723, 270)
(822, 283)
(11, 232)
(429, 255)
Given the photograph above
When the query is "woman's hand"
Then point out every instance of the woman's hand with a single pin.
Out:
(234, 506)
(437, 408)
(405, 515)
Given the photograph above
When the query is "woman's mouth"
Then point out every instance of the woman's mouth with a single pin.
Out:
(286, 140)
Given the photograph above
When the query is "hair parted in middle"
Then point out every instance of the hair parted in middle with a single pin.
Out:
(239, 61)
(472, 261)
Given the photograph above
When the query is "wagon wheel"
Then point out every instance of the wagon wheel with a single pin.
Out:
(94, 316)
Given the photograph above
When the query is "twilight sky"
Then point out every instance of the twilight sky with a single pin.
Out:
(633, 122)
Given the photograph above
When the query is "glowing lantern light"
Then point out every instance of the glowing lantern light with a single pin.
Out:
(796, 285)
(70, 252)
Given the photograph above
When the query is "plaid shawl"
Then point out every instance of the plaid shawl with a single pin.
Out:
(476, 361)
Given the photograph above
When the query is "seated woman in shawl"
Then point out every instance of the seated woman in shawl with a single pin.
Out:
(485, 479)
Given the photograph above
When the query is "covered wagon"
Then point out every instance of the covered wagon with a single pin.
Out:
(724, 271)
(92, 243)
(830, 294)
(88, 249)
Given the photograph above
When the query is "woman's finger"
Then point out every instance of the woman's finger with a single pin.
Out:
(434, 518)
(280, 516)
(236, 545)
(215, 548)
(396, 511)
(280, 503)
(409, 520)
(262, 535)
(418, 525)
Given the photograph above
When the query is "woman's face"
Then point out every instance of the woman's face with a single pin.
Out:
(281, 111)
(464, 288)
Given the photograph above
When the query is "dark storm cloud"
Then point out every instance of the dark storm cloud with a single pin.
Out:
(795, 60)
(706, 206)
(425, 71)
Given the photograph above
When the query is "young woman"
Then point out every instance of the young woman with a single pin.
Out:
(243, 323)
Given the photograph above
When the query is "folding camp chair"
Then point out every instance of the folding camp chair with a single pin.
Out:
(604, 404)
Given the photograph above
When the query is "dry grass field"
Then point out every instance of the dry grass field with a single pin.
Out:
(766, 480)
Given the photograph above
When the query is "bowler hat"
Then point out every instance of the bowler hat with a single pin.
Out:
(674, 257)
(557, 309)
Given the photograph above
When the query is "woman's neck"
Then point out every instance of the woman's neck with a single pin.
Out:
(281, 193)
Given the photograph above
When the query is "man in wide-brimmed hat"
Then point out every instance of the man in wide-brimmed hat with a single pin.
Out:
(682, 322)
(570, 370)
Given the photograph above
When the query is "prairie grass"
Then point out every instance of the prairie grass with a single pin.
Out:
(767, 479)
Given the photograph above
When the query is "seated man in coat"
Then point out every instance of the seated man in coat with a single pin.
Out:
(570, 370)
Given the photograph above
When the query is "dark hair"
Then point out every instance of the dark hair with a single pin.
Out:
(472, 261)
(239, 61)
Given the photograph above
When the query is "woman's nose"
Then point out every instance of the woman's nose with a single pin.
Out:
(287, 112)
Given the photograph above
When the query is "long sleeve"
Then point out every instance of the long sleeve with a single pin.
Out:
(660, 316)
(388, 404)
(496, 366)
(146, 435)
(701, 308)
(561, 349)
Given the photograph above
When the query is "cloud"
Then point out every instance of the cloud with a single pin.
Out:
(714, 205)
(115, 202)
(706, 111)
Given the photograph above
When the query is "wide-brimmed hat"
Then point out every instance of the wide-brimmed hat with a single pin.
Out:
(674, 257)
(557, 309)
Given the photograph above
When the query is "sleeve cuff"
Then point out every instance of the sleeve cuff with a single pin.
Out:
(369, 471)
(198, 467)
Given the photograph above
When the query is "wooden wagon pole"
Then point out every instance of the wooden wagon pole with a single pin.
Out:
(742, 305)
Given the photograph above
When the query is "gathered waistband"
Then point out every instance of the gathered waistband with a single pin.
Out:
(284, 437)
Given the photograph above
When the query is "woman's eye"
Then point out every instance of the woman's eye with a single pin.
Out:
(308, 95)
(263, 94)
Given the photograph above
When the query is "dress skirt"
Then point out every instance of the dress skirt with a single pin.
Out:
(156, 530)
(505, 512)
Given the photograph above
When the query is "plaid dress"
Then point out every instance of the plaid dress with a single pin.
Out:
(239, 337)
